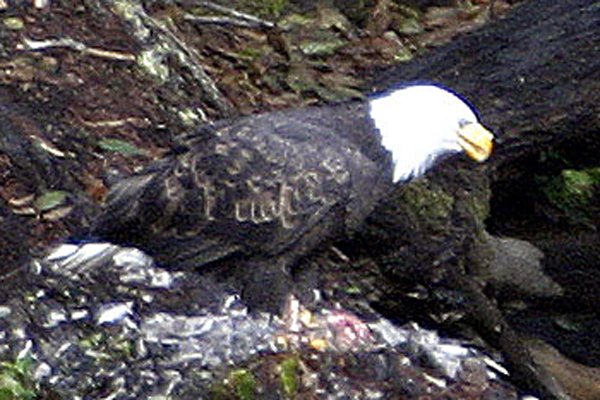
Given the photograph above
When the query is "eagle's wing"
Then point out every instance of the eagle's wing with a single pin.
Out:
(257, 186)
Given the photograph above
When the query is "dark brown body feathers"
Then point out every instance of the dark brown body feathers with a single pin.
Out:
(256, 187)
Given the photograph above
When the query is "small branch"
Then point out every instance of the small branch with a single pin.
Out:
(134, 121)
(152, 34)
(226, 21)
(196, 67)
(37, 45)
(240, 16)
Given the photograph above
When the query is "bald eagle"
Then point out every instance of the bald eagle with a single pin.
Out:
(264, 190)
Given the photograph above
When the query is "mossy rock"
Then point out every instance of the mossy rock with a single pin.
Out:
(575, 193)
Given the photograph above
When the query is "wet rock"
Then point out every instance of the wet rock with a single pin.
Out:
(513, 267)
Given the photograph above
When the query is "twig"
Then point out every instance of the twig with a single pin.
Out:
(240, 16)
(224, 21)
(158, 36)
(37, 45)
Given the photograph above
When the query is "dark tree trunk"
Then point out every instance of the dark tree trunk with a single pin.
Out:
(534, 75)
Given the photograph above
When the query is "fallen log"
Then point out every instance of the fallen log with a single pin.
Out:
(533, 74)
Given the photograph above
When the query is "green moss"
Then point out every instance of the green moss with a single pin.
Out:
(13, 23)
(289, 371)
(264, 8)
(352, 290)
(429, 202)
(219, 391)
(91, 341)
(480, 205)
(402, 55)
(238, 384)
(572, 192)
(16, 382)
(407, 11)
(425, 207)
(325, 45)
(50, 200)
(409, 27)
(108, 347)
(294, 21)
(244, 384)
(120, 146)
(251, 53)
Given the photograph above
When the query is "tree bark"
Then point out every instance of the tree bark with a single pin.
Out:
(533, 74)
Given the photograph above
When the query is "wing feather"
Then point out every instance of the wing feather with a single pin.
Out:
(258, 185)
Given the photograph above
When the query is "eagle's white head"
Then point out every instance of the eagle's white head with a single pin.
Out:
(421, 122)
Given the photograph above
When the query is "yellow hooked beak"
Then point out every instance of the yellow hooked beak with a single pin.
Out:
(476, 141)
